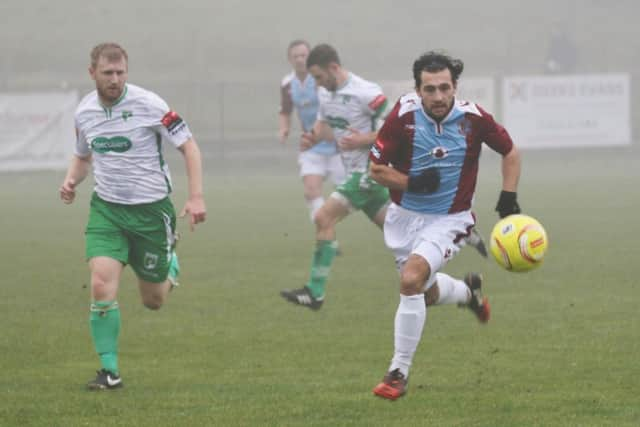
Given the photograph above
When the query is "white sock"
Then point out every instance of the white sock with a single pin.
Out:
(452, 291)
(314, 205)
(409, 322)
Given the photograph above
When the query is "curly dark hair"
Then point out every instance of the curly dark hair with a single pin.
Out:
(434, 61)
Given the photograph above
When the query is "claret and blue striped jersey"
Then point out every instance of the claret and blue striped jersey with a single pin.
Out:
(303, 96)
(410, 141)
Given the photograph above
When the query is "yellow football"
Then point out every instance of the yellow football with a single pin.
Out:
(519, 243)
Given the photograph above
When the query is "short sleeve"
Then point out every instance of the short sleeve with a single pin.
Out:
(390, 136)
(168, 122)
(494, 134)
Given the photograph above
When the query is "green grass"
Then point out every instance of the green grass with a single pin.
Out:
(561, 349)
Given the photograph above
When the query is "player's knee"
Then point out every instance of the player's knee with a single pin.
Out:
(411, 282)
(100, 287)
(153, 302)
(322, 220)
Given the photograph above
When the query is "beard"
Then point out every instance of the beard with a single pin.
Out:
(110, 94)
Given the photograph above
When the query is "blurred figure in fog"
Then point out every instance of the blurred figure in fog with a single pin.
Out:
(120, 128)
(298, 92)
(349, 109)
(562, 54)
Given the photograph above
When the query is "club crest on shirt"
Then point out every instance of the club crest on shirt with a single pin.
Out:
(439, 152)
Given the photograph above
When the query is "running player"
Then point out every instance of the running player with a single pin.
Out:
(298, 92)
(120, 128)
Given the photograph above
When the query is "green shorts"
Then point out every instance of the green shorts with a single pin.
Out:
(141, 235)
(364, 193)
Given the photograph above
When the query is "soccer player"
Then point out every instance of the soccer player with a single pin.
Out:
(349, 108)
(298, 91)
(427, 154)
(120, 128)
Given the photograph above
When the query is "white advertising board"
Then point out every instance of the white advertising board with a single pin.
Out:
(567, 111)
(36, 130)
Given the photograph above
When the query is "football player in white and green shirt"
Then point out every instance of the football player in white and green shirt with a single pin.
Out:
(349, 110)
(120, 131)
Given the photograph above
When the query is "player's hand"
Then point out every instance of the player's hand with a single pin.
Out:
(307, 140)
(196, 209)
(283, 134)
(352, 141)
(507, 204)
(68, 191)
(427, 182)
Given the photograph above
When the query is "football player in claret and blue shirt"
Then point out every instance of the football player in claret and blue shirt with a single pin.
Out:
(298, 91)
(427, 154)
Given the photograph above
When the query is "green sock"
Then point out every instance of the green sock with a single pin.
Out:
(321, 266)
(105, 328)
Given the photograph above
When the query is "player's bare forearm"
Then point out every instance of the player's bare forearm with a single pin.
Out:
(322, 131)
(284, 125)
(388, 177)
(511, 170)
(78, 169)
(369, 138)
(193, 163)
(76, 173)
(194, 206)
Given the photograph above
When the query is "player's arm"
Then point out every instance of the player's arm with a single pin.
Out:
(428, 181)
(376, 105)
(388, 177)
(78, 170)
(194, 206)
(321, 131)
(355, 139)
(286, 108)
(497, 137)
(284, 125)
(511, 170)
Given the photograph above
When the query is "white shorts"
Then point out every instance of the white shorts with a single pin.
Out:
(436, 238)
(328, 166)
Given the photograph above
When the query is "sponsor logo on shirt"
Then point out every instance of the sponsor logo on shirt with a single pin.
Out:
(126, 115)
(338, 122)
(117, 144)
(173, 122)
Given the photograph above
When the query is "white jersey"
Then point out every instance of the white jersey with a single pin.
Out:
(125, 142)
(356, 105)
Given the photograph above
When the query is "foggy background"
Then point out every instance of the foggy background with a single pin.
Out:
(219, 63)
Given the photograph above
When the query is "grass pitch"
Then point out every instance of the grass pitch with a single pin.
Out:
(561, 348)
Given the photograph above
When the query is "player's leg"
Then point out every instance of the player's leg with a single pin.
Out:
(107, 252)
(104, 320)
(475, 240)
(408, 325)
(312, 187)
(312, 294)
(152, 255)
(448, 233)
(313, 171)
(411, 312)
